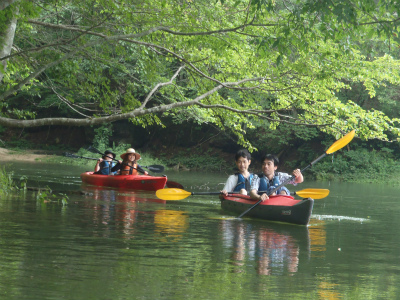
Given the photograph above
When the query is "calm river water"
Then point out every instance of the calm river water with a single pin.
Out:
(110, 244)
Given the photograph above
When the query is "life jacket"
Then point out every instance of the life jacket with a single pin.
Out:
(267, 185)
(129, 170)
(243, 183)
(105, 167)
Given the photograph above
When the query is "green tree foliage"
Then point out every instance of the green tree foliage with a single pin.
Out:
(359, 166)
(236, 64)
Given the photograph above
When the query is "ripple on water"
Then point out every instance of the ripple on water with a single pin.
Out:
(339, 218)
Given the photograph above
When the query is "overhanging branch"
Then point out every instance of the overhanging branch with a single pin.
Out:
(8, 122)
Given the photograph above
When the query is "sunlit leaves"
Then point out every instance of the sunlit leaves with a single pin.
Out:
(303, 54)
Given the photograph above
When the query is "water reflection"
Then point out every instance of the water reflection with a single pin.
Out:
(317, 237)
(275, 248)
(128, 213)
(170, 224)
(328, 290)
(117, 245)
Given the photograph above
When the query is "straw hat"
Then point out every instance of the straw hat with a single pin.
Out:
(129, 151)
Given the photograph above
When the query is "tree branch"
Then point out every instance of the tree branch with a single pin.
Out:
(115, 117)
(158, 86)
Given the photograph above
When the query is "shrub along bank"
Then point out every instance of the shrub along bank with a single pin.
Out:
(359, 166)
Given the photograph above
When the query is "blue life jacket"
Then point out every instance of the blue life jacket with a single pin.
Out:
(105, 167)
(267, 185)
(243, 183)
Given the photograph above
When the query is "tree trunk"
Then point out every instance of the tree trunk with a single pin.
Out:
(7, 38)
(5, 3)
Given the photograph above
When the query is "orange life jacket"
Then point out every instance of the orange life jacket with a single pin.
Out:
(128, 170)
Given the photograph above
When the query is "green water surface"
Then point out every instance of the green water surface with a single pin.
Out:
(108, 244)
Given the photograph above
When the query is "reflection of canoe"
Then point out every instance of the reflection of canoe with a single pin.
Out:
(134, 198)
(270, 248)
(135, 182)
(276, 208)
(120, 195)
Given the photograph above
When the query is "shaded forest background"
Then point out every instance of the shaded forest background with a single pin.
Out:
(189, 146)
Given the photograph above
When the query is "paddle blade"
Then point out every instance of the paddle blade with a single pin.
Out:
(78, 156)
(340, 143)
(172, 194)
(313, 193)
(173, 184)
(155, 168)
(94, 150)
(70, 155)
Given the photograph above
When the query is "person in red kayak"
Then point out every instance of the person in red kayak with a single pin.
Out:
(105, 164)
(129, 165)
(270, 179)
(240, 182)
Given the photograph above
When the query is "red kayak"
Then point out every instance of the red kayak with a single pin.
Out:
(276, 208)
(133, 182)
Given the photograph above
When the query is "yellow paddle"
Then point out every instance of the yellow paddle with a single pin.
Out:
(339, 144)
(179, 194)
(312, 193)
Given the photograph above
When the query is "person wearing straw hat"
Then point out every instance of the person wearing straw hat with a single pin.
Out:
(129, 165)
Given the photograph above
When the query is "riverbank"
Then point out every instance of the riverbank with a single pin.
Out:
(24, 155)
(350, 166)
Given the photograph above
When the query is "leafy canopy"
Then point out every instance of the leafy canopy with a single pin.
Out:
(236, 64)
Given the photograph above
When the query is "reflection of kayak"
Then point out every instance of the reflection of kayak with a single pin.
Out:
(120, 195)
(135, 182)
(276, 208)
(271, 248)
(125, 198)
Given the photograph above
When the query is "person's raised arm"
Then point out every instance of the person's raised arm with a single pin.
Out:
(298, 176)
(97, 166)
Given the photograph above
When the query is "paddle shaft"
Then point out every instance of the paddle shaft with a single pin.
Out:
(205, 193)
(86, 157)
(77, 156)
(179, 194)
(217, 193)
